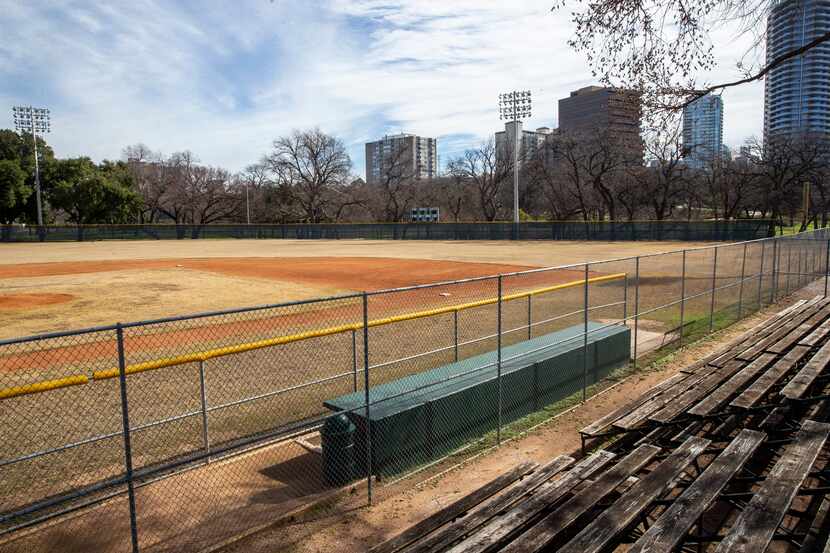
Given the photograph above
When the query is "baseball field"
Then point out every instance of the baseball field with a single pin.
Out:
(197, 384)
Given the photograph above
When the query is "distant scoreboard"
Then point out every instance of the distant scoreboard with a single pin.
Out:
(425, 214)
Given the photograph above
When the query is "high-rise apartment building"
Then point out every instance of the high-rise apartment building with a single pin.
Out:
(612, 112)
(401, 156)
(703, 131)
(797, 93)
(529, 142)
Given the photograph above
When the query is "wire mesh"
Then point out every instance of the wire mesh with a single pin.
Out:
(239, 418)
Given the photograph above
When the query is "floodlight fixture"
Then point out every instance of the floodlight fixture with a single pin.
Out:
(28, 119)
(515, 106)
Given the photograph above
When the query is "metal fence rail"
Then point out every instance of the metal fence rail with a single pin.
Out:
(731, 230)
(217, 417)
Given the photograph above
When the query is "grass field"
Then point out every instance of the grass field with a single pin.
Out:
(134, 280)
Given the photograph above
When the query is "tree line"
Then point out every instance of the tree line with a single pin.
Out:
(308, 176)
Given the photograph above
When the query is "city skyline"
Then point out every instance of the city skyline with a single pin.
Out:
(225, 81)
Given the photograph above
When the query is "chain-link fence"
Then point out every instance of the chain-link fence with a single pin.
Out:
(709, 230)
(178, 434)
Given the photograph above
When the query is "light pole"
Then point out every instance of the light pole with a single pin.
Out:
(34, 120)
(513, 107)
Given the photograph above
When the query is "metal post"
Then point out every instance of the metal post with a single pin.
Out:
(203, 394)
(682, 297)
(789, 269)
(366, 395)
(636, 306)
(37, 180)
(714, 286)
(529, 317)
(125, 421)
(354, 357)
(826, 267)
(498, 364)
(585, 339)
(741, 286)
(455, 323)
(761, 273)
(774, 290)
(625, 300)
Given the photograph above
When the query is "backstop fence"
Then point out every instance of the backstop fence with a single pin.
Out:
(700, 231)
(179, 433)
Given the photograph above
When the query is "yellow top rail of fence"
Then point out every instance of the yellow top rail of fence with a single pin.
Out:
(74, 380)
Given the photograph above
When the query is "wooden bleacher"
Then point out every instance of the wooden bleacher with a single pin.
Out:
(728, 455)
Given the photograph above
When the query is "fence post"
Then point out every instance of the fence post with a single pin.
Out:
(774, 289)
(826, 267)
(682, 296)
(636, 305)
(789, 269)
(354, 357)
(761, 273)
(455, 332)
(125, 421)
(585, 339)
(366, 396)
(529, 316)
(741, 286)
(498, 363)
(714, 286)
(203, 397)
(625, 300)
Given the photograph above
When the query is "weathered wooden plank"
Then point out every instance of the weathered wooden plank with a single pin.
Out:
(758, 389)
(816, 336)
(510, 521)
(751, 336)
(697, 392)
(467, 524)
(762, 345)
(454, 509)
(800, 332)
(614, 520)
(813, 540)
(668, 530)
(546, 529)
(729, 388)
(601, 425)
(755, 526)
(796, 387)
(641, 413)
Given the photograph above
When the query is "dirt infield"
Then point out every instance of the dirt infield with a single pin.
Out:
(29, 301)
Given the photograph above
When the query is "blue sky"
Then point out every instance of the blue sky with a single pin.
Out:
(223, 79)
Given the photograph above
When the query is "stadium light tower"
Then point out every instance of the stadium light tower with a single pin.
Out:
(513, 107)
(35, 121)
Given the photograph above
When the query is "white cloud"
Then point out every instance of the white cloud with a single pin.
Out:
(223, 79)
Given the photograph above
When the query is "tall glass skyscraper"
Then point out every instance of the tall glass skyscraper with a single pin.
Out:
(703, 131)
(797, 93)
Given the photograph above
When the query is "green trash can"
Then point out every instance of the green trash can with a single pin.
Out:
(337, 437)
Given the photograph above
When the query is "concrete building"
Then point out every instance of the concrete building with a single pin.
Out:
(703, 131)
(797, 93)
(402, 155)
(529, 143)
(612, 112)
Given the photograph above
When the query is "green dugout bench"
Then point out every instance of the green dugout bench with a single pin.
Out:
(424, 416)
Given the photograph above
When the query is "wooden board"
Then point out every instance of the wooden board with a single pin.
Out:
(616, 519)
(756, 525)
(513, 520)
(817, 335)
(641, 413)
(473, 519)
(725, 391)
(668, 531)
(601, 425)
(800, 332)
(758, 389)
(560, 519)
(696, 393)
(750, 353)
(454, 509)
(797, 387)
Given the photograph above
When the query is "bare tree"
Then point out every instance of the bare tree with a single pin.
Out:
(664, 182)
(657, 46)
(488, 174)
(393, 193)
(310, 164)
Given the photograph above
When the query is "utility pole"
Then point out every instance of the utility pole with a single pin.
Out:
(513, 107)
(34, 120)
